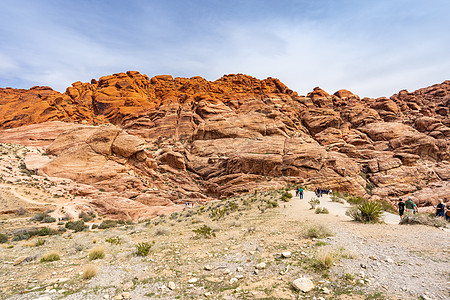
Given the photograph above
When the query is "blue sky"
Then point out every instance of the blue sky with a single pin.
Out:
(373, 48)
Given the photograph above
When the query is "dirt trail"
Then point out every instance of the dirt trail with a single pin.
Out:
(56, 206)
(403, 261)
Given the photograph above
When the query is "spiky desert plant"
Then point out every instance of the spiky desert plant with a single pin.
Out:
(366, 212)
(143, 248)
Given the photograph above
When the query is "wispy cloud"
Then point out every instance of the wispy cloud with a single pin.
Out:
(373, 48)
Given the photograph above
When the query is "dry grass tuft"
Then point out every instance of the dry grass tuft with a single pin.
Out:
(89, 272)
(97, 253)
(51, 256)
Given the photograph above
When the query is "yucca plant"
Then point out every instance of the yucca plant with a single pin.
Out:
(366, 212)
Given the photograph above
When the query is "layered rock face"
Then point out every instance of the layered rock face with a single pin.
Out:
(195, 139)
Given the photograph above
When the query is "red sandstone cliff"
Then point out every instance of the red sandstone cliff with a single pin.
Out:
(195, 139)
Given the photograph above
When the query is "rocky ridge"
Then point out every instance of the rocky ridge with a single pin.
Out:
(162, 141)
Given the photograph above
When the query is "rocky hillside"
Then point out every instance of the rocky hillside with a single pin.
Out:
(128, 140)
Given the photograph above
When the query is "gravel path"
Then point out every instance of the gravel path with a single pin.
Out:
(402, 261)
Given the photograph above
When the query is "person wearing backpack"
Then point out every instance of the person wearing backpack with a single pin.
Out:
(410, 206)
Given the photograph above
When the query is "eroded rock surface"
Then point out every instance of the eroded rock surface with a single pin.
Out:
(182, 139)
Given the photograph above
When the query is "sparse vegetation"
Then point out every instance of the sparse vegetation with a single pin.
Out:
(162, 231)
(97, 253)
(366, 212)
(86, 217)
(3, 238)
(318, 231)
(114, 240)
(89, 272)
(314, 202)
(322, 210)
(424, 219)
(143, 248)
(204, 232)
(76, 226)
(286, 196)
(48, 257)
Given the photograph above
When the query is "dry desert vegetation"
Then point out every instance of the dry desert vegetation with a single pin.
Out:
(261, 245)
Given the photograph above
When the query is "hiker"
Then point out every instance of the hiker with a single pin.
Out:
(440, 209)
(297, 191)
(401, 208)
(447, 214)
(410, 206)
(300, 192)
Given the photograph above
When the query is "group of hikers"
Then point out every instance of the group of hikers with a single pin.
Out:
(319, 192)
(411, 207)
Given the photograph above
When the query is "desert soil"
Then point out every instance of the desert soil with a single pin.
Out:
(243, 261)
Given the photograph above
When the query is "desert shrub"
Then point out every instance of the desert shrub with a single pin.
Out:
(76, 226)
(39, 217)
(143, 248)
(52, 256)
(272, 203)
(356, 200)
(97, 253)
(318, 231)
(39, 242)
(89, 272)
(44, 231)
(25, 234)
(114, 240)
(286, 196)
(337, 199)
(21, 211)
(94, 226)
(162, 231)
(324, 258)
(48, 219)
(314, 202)
(366, 212)
(424, 219)
(3, 238)
(204, 232)
(322, 210)
(86, 217)
(387, 206)
(108, 224)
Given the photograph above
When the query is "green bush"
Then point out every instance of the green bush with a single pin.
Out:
(366, 212)
(108, 224)
(77, 226)
(86, 217)
(356, 200)
(48, 219)
(286, 196)
(44, 231)
(3, 238)
(143, 248)
(204, 232)
(39, 217)
(25, 234)
(114, 240)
